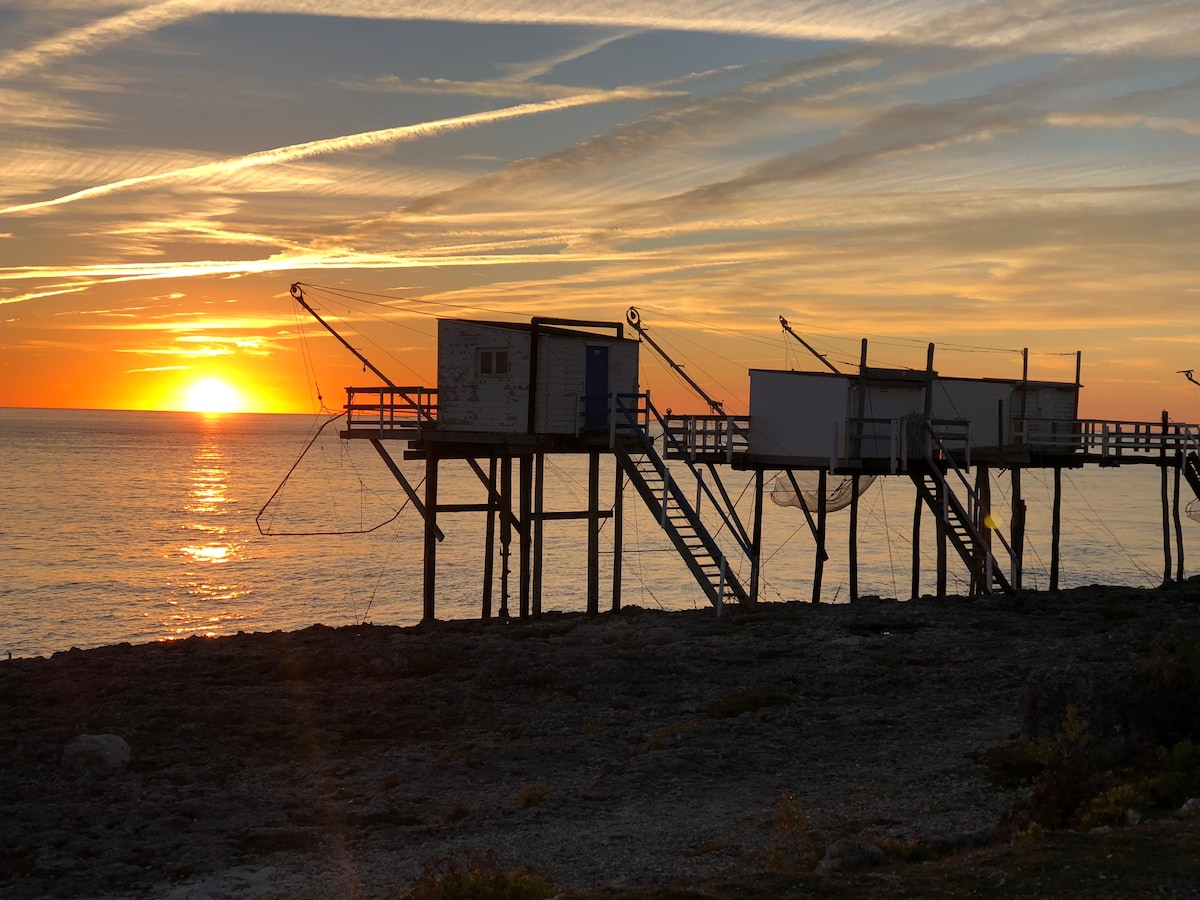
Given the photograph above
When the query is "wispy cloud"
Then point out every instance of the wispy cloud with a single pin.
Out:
(1057, 26)
(525, 90)
(1123, 121)
(99, 34)
(360, 141)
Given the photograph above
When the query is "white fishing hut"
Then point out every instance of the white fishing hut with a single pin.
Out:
(875, 421)
(507, 394)
(542, 378)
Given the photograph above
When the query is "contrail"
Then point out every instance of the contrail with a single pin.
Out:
(97, 35)
(330, 145)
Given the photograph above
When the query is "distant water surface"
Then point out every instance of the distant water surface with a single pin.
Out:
(140, 526)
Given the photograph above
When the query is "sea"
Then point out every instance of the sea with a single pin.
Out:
(120, 526)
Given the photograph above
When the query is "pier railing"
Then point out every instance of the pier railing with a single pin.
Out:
(390, 409)
(706, 437)
(1111, 441)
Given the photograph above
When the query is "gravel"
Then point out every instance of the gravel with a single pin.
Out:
(638, 748)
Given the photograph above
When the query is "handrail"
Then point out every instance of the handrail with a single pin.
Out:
(1108, 438)
(391, 408)
(1191, 438)
(726, 434)
(973, 519)
(643, 433)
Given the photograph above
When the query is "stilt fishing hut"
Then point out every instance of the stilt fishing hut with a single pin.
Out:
(508, 394)
(935, 430)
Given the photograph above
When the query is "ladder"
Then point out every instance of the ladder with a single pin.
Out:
(964, 526)
(1191, 470)
(668, 501)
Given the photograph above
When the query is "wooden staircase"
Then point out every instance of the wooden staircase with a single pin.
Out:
(964, 533)
(1191, 470)
(666, 498)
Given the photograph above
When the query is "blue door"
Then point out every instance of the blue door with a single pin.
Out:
(595, 404)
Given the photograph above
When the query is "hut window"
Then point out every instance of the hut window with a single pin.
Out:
(493, 362)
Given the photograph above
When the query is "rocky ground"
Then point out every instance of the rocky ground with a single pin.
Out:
(623, 750)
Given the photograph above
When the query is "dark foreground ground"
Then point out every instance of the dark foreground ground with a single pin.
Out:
(618, 756)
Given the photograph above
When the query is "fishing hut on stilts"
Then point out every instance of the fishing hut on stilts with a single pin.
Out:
(509, 395)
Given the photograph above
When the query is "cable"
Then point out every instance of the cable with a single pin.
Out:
(270, 532)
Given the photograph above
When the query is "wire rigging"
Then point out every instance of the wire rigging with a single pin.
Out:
(269, 530)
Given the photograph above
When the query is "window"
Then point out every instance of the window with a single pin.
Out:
(492, 362)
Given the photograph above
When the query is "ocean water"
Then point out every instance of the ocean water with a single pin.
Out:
(145, 526)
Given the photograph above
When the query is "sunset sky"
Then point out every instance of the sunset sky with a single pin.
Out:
(987, 176)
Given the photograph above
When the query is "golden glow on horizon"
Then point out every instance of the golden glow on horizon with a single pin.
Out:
(212, 395)
(934, 175)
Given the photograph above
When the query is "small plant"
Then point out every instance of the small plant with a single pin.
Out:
(445, 878)
(1177, 773)
(1076, 786)
(793, 846)
(533, 795)
(1108, 807)
(1032, 832)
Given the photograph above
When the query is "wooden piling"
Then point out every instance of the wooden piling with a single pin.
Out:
(618, 533)
(1166, 502)
(539, 528)
(593, 534)
(819, 567)
(853, 549)
(983, 497)
(429, 612)
(505, 530)
(916, 547)
(1055, 528)
(1178, 520)
(1018, 530)
(756, 536)
(942, 501)
(525, 533)
(489, 547)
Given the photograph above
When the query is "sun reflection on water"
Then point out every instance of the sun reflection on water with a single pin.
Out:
(208, 554)
(209, 582)
(208, 498)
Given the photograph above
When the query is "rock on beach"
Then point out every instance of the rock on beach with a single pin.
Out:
(98, 753)
(635, 748)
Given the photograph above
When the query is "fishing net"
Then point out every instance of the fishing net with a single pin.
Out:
(839, 489)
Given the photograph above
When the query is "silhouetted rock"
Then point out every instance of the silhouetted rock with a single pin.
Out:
(101, 754)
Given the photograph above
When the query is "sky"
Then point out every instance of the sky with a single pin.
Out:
(985, 176)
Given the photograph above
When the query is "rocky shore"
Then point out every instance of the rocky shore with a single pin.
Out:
(621, 750)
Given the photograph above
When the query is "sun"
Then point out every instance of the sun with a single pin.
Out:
(212, 396)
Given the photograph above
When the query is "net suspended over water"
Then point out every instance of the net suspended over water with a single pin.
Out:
(839, 489)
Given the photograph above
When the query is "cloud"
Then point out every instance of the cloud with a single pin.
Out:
(524, 71)
(1124, 121)
(360, 141)
(1065, 26)
(99, 34)
(525, 90)
(30, 109)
